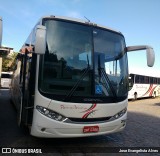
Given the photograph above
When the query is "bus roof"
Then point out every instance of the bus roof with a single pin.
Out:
(145, 71)
(77, 20)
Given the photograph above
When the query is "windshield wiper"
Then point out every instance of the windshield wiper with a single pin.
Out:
(102, 73)
(72, 91)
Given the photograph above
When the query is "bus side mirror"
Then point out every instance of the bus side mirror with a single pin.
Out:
(40, 40)
(149, 53)
(150, 56)
(0, 31)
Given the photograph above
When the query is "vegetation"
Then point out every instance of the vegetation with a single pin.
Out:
(8, 62)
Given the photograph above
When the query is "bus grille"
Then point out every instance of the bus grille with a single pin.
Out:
(88, 120)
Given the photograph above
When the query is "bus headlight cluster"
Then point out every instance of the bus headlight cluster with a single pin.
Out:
(119, 114)
(51, 114)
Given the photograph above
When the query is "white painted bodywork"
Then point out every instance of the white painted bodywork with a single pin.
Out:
(144, 90)
(55, 128)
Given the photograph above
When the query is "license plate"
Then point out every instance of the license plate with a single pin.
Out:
(90, 129)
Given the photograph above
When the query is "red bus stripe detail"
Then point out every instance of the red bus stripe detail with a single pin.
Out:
(87, 114)
(152, 91)
(89, 109)
(149, 89)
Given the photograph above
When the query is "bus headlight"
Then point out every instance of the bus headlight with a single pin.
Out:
(51, 114)
(119, 114)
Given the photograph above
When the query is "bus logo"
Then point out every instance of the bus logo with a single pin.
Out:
(89, 111)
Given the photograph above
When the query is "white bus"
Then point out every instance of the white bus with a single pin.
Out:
(71, 79)
(6, 78)
(143, 86)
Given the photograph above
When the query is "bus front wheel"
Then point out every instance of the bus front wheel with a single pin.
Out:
(154, 95)
(135, 96)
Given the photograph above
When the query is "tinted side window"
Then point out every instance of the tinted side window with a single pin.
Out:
(6, 76)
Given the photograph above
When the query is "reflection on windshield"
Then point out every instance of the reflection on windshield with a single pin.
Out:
(111, 76)
(67, 58)
(70, 67)
(109, 57)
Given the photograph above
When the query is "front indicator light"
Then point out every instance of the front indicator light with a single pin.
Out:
(51, 114)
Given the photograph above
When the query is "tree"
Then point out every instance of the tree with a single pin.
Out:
(9, 61)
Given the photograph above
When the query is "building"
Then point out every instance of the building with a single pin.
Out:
(4, 51)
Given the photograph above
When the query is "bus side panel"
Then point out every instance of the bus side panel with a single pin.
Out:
(16, 92)
(144, 90)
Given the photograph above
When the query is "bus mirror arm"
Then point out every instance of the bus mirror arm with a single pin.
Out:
(149, 53)
(40, 39)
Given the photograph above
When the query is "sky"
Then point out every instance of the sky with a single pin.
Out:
(138, 20)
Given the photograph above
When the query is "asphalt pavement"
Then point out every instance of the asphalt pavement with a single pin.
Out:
(142, 131)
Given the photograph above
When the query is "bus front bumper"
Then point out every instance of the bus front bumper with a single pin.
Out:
(45, 127)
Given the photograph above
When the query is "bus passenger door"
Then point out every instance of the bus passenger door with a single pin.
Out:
(27, 89)
(16, 85)
(19, 87)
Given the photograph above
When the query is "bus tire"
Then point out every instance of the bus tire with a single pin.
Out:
(154, 94)
(135, 96)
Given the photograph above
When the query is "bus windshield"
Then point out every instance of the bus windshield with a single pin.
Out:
(83, 61)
